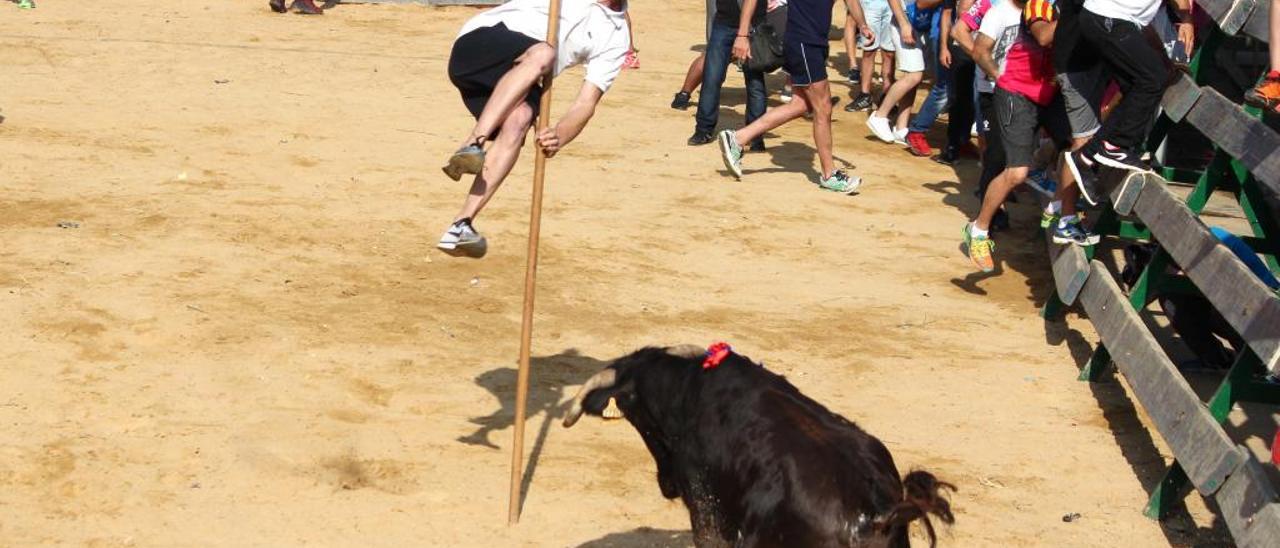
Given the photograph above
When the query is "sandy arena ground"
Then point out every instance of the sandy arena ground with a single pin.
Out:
(248, 338)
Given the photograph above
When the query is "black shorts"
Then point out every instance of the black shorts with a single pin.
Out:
(806, 63)
(482, 57)
(1020, 117)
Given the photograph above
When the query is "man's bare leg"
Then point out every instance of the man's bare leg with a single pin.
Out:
(818, 96)
(498, 162)
(773, 118)
(693, 78)
(512, 89)
(897, 92)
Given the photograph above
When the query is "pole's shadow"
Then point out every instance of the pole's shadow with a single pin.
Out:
(549, 384)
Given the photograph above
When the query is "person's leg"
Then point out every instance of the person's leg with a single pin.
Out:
(888, 69)
(693, 78)
(960, 114)
(498, 161)
(911, 62)
(935, 102)
(818, 95)
(850, 44)
(512, 89)
(719, 49)
(997, 193)
(774, 117)
(1143, 71)
(1267, 93)
(757, 96)
(868, 69)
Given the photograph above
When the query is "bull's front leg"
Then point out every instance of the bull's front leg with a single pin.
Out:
(709, 527)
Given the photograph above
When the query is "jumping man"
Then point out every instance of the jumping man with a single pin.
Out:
(496, 64)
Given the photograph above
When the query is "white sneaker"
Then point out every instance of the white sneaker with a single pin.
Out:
(880, 128)
(900, 136)
(462, 240)
(786, 95)
(973, 130)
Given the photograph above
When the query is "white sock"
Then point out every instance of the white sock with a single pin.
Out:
(1054, 207)
(1066, 220)
(976, 232)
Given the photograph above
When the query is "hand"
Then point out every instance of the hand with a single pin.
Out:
(865, 31)
(908, 36)
(741, 48)
(549, 141)
(944, 56)
(1187, 33)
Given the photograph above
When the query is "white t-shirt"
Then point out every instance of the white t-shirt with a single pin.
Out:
(1141, 12)
(1002, 23)
(590, 33)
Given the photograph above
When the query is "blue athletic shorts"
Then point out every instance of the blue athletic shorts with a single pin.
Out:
(806, 63)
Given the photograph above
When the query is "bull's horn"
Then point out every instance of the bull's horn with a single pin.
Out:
(687, 351)
(603, 379)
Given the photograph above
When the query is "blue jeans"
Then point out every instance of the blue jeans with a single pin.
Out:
(938, 94)
(719, 50)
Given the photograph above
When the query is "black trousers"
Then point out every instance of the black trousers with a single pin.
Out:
(1140, 67)
(960, 114)
(993, 159)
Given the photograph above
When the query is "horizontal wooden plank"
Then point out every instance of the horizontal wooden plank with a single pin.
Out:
(1256, 24)
(1198, 442)
(1246, 303)
(1249, 506)
(1245, 138)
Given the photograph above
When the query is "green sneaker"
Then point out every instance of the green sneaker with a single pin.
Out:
(1048, 220)
(980, 250)
(731, 152)
(26, 5)
(839, 182)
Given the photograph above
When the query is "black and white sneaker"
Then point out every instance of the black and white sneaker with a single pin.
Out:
(462, 240)
(1086, 176)
(681, 101)
(1119, 158)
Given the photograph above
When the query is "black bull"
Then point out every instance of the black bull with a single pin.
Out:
(756, 462)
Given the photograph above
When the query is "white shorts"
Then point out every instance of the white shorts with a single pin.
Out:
(879, 19)
(909, 59)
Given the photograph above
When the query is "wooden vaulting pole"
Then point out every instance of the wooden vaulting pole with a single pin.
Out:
(530, 277)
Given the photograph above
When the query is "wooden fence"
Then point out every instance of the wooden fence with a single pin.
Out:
(1246, 164)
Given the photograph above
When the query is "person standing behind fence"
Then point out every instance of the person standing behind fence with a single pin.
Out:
(496, 63)
(724, 32)
(805, 46)
(1116, 30)
(878, 17)
(1267, 93)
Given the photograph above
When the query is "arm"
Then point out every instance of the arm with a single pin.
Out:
(904, 26)
(1186, 29)
(927, 4)
(963, 37)
(982, 56)
(1042, 31)
(944, 51)
(552, 139)
(855, 9)
(741, 48)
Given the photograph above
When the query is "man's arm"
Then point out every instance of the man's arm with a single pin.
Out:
(944, 50)
(742, 48)
(1042, 31)
(552, 139)
(1186, 29)
(982, 56)
(904, 25)
(963, 37)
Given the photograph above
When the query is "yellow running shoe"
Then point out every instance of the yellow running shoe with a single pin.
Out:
(980, 249)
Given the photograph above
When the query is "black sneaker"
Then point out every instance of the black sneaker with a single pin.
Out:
(860, 103)
(680, 101)
(699, 138)
(1086, 175)
(948, 156)
(1120, 159)
(855, 77)
(757, 145)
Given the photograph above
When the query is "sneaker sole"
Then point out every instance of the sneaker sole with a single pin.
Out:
(1118, 165)
(465, 163)
(1092, 241)
(474, 249)
(1075, 172)
(725, 147)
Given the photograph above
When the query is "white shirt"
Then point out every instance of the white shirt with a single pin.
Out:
(1140, 12)
(590, 33)
(1002, 24)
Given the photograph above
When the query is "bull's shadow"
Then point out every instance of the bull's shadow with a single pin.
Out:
(642, 537)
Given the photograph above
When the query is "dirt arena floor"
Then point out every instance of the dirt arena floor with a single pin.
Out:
(225, 323)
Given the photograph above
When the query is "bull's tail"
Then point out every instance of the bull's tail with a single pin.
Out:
(922, 495)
